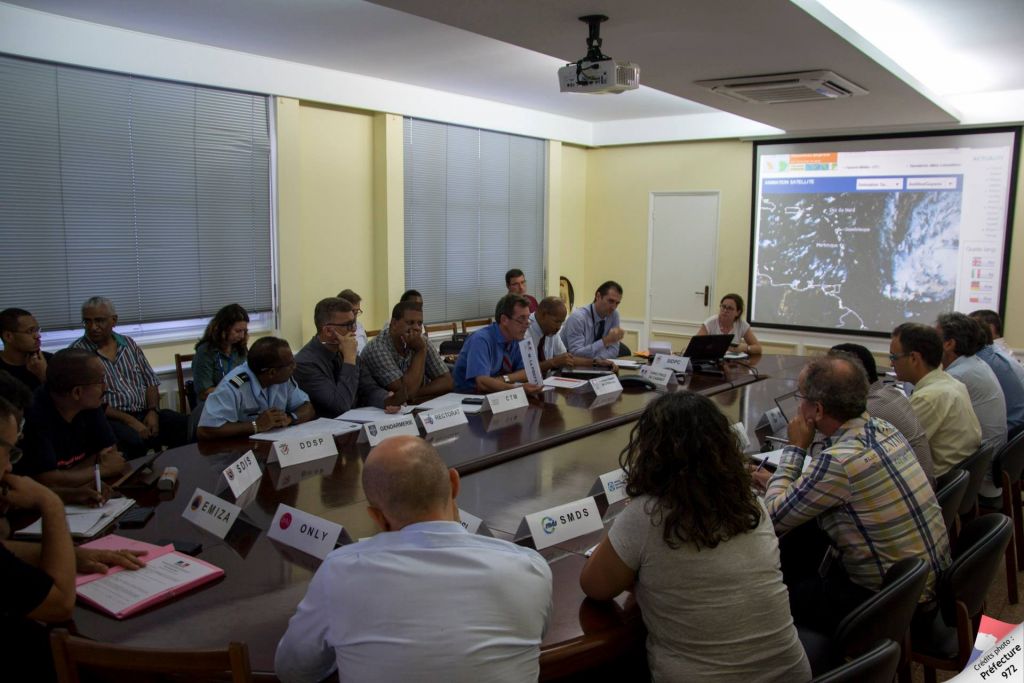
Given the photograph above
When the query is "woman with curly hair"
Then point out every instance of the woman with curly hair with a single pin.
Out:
(698, 550)
(222, 348)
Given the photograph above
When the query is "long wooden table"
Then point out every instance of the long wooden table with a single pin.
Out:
(551, 453)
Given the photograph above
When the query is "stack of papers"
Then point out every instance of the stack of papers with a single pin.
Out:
(453, 399)
(323, 425)
(372, 414)
(84, 521)
(625, 363)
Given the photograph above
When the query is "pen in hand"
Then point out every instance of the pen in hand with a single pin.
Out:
(99, 482)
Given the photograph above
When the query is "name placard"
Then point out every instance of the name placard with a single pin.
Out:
(242, 473)
(661, 377)
(290, 452)
(442, 418)
(288, 476)
(773, 419)
(671, 362)
(502, 401)
(605, 384)
(561, 523)
(531, 364)
(605, 400)
(613, 484)
(312, 535)
(741, 433)
(375, 432)
(473, 524)
(211, 513)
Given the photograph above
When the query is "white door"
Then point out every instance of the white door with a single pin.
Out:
(681, 263)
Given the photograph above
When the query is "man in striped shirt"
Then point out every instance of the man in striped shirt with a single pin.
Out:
(865, 488)
(133, 389)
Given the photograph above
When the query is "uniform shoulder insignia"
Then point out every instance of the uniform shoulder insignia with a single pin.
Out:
(238, 380)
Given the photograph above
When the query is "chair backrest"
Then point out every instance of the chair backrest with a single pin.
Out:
(70, 652)
(447, 328)
(1009, 459)
(977, 555)
(877, 665)
(953, 487)
(624, 350)
(370, 334)
(977, 464)
(179, 370)
(470, 325)
(886, 614)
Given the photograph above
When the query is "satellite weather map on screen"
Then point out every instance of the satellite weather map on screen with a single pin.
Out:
(860, 235)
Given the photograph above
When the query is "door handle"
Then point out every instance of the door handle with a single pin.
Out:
(707, 291)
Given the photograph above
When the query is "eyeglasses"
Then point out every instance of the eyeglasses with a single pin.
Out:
(14, 453)
(357, 311)
(804, 397)
(348, 326)
(893, 357)
(522, 320)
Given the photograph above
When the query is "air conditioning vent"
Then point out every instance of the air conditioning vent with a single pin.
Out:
(803, 86)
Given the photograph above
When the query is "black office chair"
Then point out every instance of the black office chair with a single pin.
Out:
(976, 464)
(1007, 467)
(877, 665)
(885, 615)
(943, 633)
(952, 494)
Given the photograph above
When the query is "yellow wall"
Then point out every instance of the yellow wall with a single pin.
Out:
(572, 240)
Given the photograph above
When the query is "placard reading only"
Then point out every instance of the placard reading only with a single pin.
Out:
(502, 401)
(296, 451)
(375, 432)
(243, 473)
(312, 535)
(211, 513)
(563, 522)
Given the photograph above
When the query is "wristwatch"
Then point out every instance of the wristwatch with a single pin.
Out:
(506, 379)
(255, 429)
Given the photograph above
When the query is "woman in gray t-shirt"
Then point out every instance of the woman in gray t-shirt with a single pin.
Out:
(699, 551)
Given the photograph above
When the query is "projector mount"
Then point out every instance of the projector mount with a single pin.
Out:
(594, 53)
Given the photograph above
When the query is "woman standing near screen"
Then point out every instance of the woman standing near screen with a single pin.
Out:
(728, 321)
(699, 552)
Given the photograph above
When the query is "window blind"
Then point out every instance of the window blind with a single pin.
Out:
(474, 208)
(153, 194)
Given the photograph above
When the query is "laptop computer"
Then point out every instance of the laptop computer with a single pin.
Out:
(709, 347)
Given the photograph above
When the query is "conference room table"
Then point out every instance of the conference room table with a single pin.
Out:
(511, 465)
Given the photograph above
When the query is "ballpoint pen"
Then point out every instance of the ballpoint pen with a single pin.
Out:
(99, 482)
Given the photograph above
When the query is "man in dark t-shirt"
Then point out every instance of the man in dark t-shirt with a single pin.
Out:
(22, 355)
(66, 430)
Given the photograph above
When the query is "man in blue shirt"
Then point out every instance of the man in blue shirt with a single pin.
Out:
(1009, 381)
(490, 360)
(256, 396)
(593, 331)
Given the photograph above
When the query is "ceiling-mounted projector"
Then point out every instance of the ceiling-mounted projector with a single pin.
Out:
(597, 72)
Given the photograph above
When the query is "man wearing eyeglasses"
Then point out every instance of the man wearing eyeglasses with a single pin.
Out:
(22, 355)
(941, 403)
(66, 431)
(490, 359)
(863, 486)
(257, 396)
(328, 367)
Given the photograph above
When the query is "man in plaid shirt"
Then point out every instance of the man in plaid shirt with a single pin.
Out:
(863, 485)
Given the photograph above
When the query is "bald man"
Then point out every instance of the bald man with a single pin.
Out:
(424, 599)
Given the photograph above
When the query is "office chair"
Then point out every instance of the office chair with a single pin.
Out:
(1007, 467)
(955, 483)
(877, 665)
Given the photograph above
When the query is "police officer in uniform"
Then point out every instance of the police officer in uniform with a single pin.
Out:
(257, 396)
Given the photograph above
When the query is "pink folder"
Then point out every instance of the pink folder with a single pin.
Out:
(114, 542)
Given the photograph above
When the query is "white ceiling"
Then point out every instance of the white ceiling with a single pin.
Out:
(507, 51)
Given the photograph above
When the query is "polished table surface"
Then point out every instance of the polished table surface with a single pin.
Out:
(511, 464)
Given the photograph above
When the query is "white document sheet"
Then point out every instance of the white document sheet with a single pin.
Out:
(120, 592)
(323, 425)
(372, 414)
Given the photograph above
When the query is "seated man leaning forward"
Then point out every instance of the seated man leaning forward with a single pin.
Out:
(424, 599)
(66, 431)
(401, 360)
(328, 367)
(593, 331)
(256, 396)
(133, 389)
(490, 359)
(864, 486)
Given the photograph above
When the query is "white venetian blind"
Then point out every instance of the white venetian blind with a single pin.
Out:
(153, 194)
(474, 208)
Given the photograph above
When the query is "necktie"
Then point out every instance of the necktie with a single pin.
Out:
(540, 350)
(599, 330)
(506, 361)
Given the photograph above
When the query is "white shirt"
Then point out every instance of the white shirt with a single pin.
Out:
(360, 338)
(430, 602)
(553, 345)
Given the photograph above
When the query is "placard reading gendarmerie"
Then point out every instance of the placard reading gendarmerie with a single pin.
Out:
(375, 432)
(561, 523)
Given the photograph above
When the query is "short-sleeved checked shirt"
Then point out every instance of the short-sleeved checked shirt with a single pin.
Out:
(127, 376)
(870, 496)
(386, 364)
